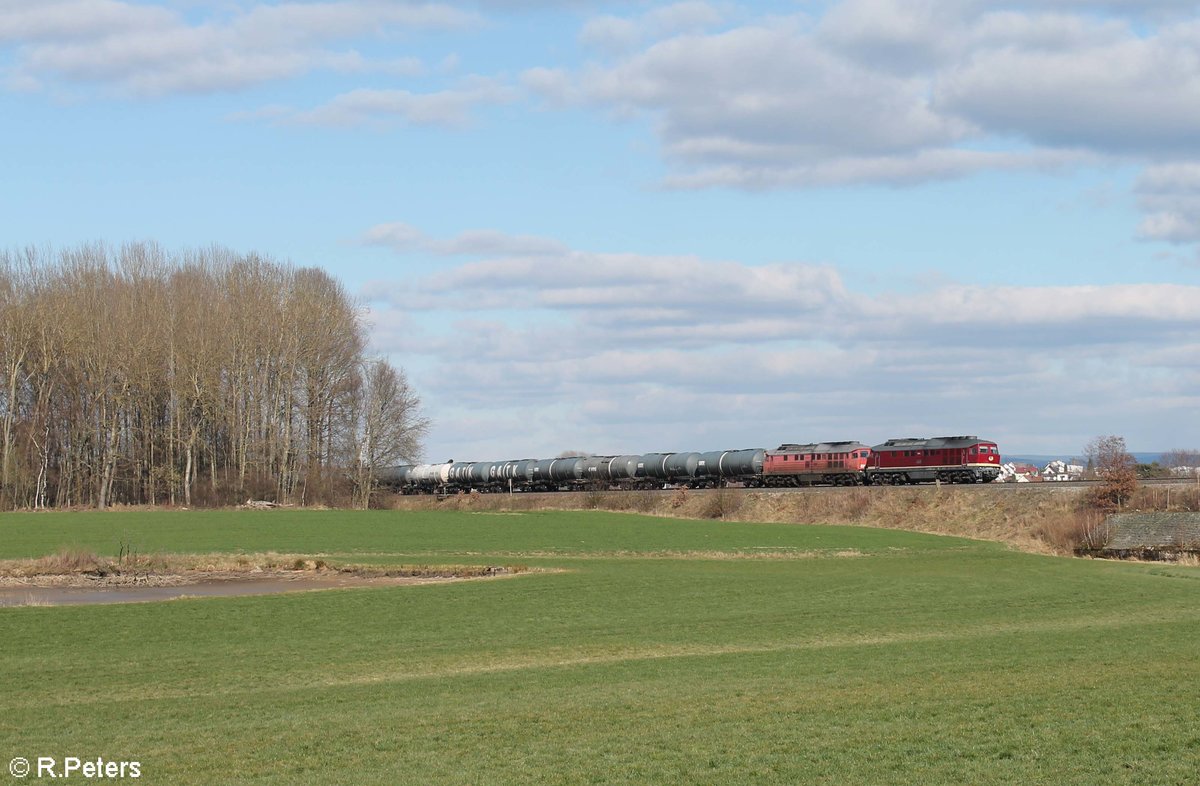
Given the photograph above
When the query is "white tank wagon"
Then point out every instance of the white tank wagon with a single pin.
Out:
(417, 478)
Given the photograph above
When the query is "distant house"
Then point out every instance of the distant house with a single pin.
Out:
(1017, 473)
(1061, 470)
(1027, 471)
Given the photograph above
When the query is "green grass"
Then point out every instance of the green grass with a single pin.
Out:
(657, 656)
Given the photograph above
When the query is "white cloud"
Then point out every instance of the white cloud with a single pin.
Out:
(404, 238)
(398, 235)
(617, 293)
(902, 93)
(1046, 306)
(899, 170)
(904, 35)
(368, 107)
(713, 300)
(554, 85)
(896, 92)
(610, 33)
(770, 94)
(616, 34)
(146, 50)
(57, 20)
(1170, 196)
(1136, 95)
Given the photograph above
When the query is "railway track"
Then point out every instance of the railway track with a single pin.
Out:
(1033, 487)
(1038, 486)
(1049, 485)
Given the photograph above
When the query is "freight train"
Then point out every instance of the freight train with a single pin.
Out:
(964, 459)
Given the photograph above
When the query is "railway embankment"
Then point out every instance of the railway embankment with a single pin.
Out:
(1036, 518)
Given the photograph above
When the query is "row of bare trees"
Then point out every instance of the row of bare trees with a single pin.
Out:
(135, 376)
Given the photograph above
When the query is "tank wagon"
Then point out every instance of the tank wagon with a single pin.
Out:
(964, 459)
(646, 471)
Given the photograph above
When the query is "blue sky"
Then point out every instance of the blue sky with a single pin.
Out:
(635, 226)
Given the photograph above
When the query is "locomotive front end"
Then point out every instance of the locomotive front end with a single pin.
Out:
(984, 460)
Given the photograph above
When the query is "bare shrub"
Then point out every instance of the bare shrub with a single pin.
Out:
(74, 561)
(1178, 498)
(721, 503)
(1085, 529)
(1112, 494)
(642, 501)
(68, 560)
(1116, 469)
(856, 504)
(594, 498)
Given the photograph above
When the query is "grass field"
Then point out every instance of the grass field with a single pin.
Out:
(666, 651)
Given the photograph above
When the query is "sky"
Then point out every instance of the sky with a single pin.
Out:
(623, 227)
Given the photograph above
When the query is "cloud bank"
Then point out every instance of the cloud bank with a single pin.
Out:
(895, 92)
(635, 352)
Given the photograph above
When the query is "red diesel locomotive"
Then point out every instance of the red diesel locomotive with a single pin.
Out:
(965, 459)
(944, 459)
(817, 463)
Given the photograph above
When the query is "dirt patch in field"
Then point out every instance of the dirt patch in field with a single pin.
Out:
(73, 577)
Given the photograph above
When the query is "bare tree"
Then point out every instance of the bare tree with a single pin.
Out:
(390, 427)
(327, 366)
(1115, 467)
(16, 341)
(1181, 457)
(129, 375)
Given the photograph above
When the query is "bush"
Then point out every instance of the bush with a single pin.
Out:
(1086, 529)
(1116, 488)
(721, 503)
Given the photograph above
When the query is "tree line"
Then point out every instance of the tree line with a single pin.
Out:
(139, 376)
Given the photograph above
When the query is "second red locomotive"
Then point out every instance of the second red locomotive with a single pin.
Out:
(944, 459)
